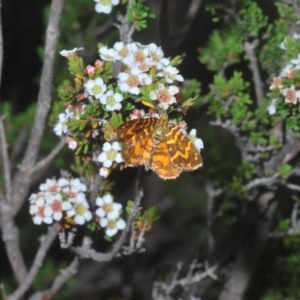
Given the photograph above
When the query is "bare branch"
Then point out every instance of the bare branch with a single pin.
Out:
(59, 281)
(212, 193)
(49, 158)
(5, 161)
(163, 289)
(36, 265)
(249, 49)
(22, 180)
(262, 181)
(10, 236)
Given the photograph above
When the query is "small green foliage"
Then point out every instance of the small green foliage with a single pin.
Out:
(253, 19)
(284, 170)
(237, 187)
(191, 90)
(247, 170)
(138, 13)
(283, 225)
(223, 50)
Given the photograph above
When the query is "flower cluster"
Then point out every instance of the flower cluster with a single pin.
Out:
(284, 86)
(144, 66)
(109, 215)
(58, 199)
(65, 199)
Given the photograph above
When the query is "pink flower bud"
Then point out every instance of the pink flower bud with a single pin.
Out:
(90, 70)
(104, 172)
(99, 63)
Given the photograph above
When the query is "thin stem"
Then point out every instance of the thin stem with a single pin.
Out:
(36, 265)
(59, 281)
(5, 161)
(258, 87)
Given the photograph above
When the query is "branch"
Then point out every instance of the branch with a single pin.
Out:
(36, 265)
(95, 186)
(10, 236)
(162, 289)
(249, 49)
(5, 161)
(22, 180)
(49, 158)
(87, 252)
(59, 281)
(262, 181)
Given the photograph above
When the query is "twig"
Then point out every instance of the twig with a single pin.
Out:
(189, 18)
(249, 49)
(262, 181)
(59, 281)
(21, 182)
(95, 186)
(36, 265)
(5, 161)
(87, 252)
(161, 289)
(49, 158)
(3, 292)
(212, 193)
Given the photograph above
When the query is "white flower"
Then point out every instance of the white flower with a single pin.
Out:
(296, 36)
(57, 206)
(41, 214)
(170, 74)
(63, 182)
(95, 87)
(69, 52)
(37, 198)
(282, 45)
(296, 62)
(196, 141)
(110, 154)
(122, 50)
(105, 6)
(107, 207)
(77, 185)
(165, 95)
(103, 172)
(157, 56)
(129, 82)
(107, 54)
(80, 211)
(287, 71)
(145, 79)
(291, 94)
(69, 113)
(112, 226)
(272, 107)
(50, 186)
(61, 127)
(112, 101)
